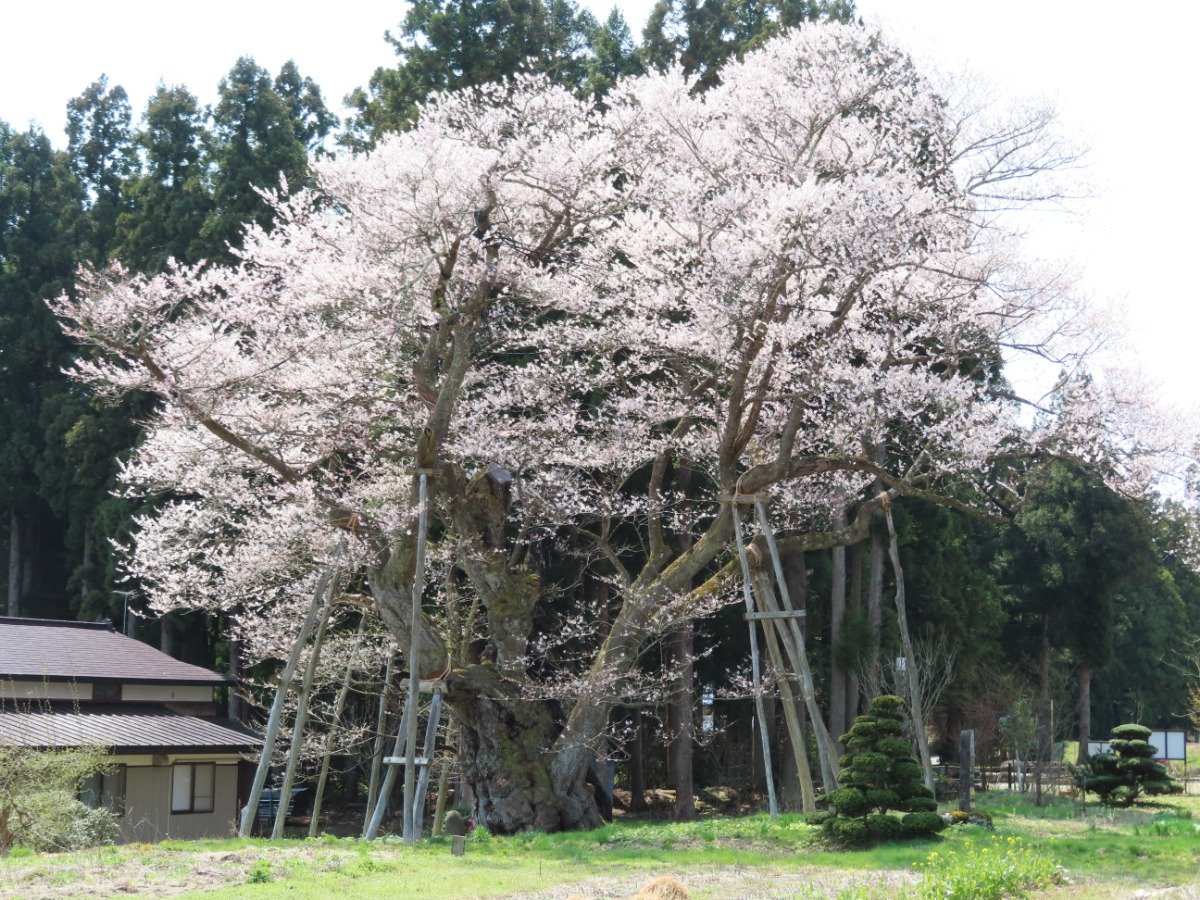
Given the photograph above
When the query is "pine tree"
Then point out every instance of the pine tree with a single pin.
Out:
(880, 775)
(259, 136)
(1122, 775)
(40, 212)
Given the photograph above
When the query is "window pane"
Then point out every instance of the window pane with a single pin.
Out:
(181, 788)
(205, 780)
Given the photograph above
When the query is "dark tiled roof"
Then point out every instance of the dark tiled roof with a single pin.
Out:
(122, 728)
(87, 651)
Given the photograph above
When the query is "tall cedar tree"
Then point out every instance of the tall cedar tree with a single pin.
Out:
(449, 44)
(99, 144)
(703, 34)
(40, 210)
(168, 202)
(1082, 542)
(262, 131)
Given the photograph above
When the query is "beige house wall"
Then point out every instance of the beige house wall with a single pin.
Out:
(148, 815)
(44, 690)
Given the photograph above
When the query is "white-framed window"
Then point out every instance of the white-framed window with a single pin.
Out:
(193, 787)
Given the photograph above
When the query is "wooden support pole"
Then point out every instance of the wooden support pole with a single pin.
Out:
(389, 782)
(755, 667)
(414, 657)
(790, 628)
(435, 718)
(250, 810)
(791, 715)
(338, 707)
(380, 728)
(293, 760)
(916, 701)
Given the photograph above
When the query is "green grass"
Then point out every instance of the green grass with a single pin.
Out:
(1099, 850)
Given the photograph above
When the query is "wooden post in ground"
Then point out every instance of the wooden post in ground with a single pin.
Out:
(791, 714)
(389, 782)
(793, 642)
(414, 656)
(302, 703)
(435, 717)
(338, 706)
(966, 768)
(250, 810)
(755, 665)
(380, 737)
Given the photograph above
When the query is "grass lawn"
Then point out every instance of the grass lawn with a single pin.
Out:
(1102, 854)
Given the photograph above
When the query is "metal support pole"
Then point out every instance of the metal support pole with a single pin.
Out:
(414, 666)
(754, 663)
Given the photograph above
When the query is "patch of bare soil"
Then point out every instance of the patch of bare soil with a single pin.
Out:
(734, 883)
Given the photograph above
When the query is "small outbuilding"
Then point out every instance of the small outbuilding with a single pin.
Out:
(176, 762)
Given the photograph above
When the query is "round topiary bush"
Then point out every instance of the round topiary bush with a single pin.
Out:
(1128, 771)
(880, 776)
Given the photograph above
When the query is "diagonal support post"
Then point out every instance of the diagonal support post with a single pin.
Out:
(755, 663)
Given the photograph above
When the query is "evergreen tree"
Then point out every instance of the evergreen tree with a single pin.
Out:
(168, 202)
(257, 138)
(703, 34)
(310, 118)
(1082, 542)
(614, 55)
(100, 148)
(449, 44)
(880, 775)
(40, 209)
(1128, 770)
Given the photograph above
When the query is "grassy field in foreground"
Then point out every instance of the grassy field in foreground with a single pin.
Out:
(1101, 853)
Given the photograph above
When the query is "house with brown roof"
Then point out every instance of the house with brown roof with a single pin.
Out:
(176, 763)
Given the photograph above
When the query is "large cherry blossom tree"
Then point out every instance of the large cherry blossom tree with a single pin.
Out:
(796, 284)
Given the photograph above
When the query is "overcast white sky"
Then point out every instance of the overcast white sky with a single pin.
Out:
(1124, 85)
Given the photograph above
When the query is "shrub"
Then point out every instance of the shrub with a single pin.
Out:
(922, 824)
(38, 805)
(880, 775)
(1120, 777)
(884, 828)
(848, 831)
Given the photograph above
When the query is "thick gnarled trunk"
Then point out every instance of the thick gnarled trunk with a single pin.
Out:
(506, 757)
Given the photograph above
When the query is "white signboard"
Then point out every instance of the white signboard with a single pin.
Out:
(1166, 744)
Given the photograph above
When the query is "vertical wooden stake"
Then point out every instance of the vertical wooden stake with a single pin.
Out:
(755, 665)
(389, 782)
(414, 657)
(791, 715)
(293, 760)
(826, 750)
